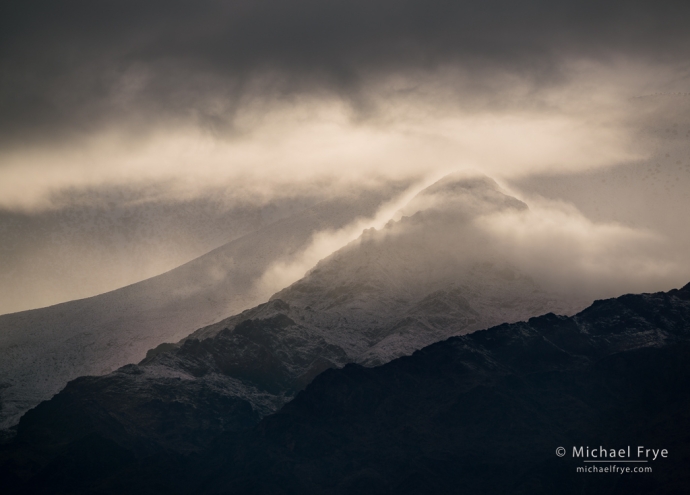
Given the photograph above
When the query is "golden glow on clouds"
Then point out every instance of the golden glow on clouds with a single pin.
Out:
(418, 127)
(299, 144)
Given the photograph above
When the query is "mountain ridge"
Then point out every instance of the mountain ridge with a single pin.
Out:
(498, 400)
(41, 350)
(384, 295)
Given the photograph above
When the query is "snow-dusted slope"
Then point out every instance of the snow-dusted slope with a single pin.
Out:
(416, 281)
(420, 279)
(41, 350)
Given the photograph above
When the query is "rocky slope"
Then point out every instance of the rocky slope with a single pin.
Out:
(483, 412)
(41, 350)
(429, 275)
(383, 296)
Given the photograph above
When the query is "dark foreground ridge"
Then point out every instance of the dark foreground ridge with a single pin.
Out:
(479, 414)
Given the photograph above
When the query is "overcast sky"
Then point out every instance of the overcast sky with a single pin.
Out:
(105, 105)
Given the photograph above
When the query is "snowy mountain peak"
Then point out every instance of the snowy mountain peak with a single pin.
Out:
(462, 195)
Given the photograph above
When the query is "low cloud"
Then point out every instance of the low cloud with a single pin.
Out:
(265, 101)
(444, 234)
(297, 147)
(566, 252)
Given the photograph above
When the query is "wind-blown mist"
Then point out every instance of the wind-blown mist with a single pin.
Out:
(552, 242)
(269, 105)
(567, 252)
(447, 233)
(100, 240)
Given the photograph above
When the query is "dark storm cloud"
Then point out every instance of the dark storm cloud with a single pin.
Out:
(70, 66)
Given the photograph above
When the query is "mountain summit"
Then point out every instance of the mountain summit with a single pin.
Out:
(392, 291)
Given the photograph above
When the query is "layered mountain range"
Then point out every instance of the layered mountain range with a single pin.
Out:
(42, 349)
(485, 413)
(420, 279)
(480, 413)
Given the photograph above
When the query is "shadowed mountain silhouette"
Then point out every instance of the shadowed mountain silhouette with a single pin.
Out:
(480, 413)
